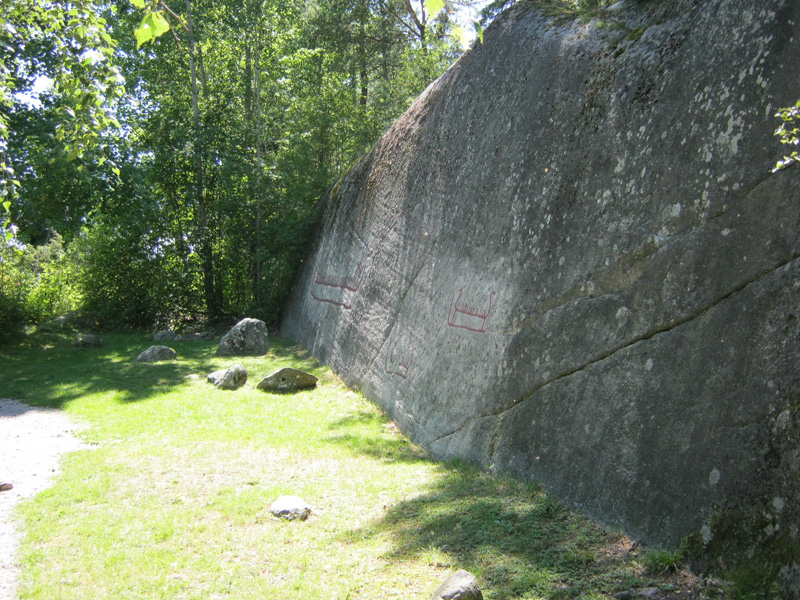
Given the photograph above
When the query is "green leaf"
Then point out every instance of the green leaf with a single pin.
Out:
(153, 25)
(160, 23)
(7, 205)
(138, 3)
(143, 33)
(433, 7)
(462, 35)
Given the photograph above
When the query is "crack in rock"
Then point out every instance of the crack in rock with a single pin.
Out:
(667, 327)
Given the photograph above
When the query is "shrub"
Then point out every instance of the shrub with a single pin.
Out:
(53, 283)
(12, 316)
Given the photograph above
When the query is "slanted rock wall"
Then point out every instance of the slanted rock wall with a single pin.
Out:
(570, 261)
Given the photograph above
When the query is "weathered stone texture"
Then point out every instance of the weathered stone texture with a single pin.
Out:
(231, 378)
(290, 508)
(87, 341)
(461, 585)
(157, 354)
(247, 338)
(570, 260)
(166, 335)
(287, 379)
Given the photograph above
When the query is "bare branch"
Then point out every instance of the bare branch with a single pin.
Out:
(169, 10)
(391, 11)
(420, 24)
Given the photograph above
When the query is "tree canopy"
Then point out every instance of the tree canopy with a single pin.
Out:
(182, 148)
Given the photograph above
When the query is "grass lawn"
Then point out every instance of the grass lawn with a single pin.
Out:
(172, 498)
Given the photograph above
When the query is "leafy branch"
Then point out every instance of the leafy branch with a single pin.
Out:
(789, 134)
(156, 21)
(434, 7)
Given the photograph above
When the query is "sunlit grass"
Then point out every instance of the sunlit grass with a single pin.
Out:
(172, 499)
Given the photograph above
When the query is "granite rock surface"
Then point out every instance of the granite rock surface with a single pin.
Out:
(570, 259)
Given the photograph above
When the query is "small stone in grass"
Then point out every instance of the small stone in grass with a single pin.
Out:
(290, 508)
(157, 354)
(231, 378)
(4, 487)
(461, 585)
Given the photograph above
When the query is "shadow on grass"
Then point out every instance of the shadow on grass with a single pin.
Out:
(518, 541)
(391, 446)
(45, 369)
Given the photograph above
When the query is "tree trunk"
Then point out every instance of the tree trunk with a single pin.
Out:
(259, 161)
(204, 234)
(362, 52)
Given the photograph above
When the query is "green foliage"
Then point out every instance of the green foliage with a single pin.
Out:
(68, 42)
(662, 561)
(54, 274)
(37, 283)
(153, 25)
(131, 278)
(789, 133)
(198, 198)
(12, 312)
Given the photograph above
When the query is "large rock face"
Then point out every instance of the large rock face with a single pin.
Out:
(570, 260)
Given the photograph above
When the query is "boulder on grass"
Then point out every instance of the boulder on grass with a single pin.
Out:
(164, 336)
(290, 508)
(231, 378)
(247, 338)
(87, 340)
(287, 379)
(157, 354)
(461, 585)
(199, 336)
(65, 321)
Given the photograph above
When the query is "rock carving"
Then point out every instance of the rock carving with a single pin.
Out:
(606, 300)
(398, 364)
(333, 289)
(464, 316)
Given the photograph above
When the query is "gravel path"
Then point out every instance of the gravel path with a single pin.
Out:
(31, 442)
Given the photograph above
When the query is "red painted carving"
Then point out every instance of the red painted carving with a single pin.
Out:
(337, 290)
(397, 364)
(350, 283)
(464, 316)
(344, 305)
